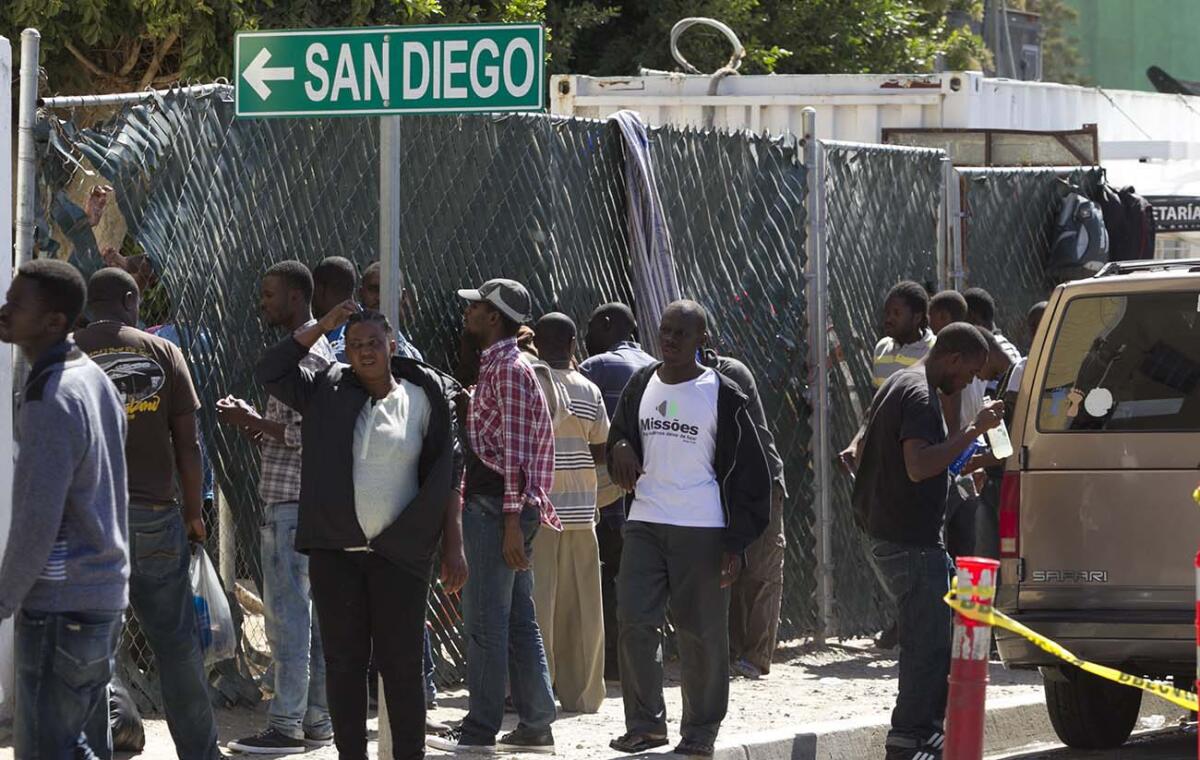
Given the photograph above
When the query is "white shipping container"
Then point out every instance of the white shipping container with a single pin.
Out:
(856, 107)
(1149, 140)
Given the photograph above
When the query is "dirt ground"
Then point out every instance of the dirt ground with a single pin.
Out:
(806, 685)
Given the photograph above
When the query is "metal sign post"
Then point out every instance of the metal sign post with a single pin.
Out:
(387, 72)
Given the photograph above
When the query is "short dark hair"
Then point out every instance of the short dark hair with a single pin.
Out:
(951, 303)
(370, 315)
(912, 293)
(110, 284)
(555, 329)
(1033, 317)
(981, 304)
(693, 309)
(336, 273)
(60, 287)
(295, 275)
(961, 338)
(990, 338)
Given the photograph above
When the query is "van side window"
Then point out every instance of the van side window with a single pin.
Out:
(1125, 362)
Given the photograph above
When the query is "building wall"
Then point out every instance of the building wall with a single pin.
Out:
(1120, 39)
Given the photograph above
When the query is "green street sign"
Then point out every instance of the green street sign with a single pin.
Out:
(390, 70)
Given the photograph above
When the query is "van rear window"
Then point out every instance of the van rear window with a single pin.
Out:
(1126, 362)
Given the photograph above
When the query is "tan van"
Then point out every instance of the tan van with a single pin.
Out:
(1098, 528)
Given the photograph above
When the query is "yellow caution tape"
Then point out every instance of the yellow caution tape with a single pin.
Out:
(985, 614)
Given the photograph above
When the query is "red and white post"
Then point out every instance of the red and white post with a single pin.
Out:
(965, 706)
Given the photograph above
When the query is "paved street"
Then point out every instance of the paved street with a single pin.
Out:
(1166, 745)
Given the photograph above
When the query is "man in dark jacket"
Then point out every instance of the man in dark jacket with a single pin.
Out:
(757, 594)
(683, 441)
(381, 436)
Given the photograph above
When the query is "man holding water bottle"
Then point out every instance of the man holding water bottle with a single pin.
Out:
(900, 500)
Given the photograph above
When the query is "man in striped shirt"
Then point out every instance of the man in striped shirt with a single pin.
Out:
(906, 334)
(566, 565)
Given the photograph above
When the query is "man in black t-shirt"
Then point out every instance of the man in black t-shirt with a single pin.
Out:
(900, 499)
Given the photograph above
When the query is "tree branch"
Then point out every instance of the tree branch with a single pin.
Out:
(156, 62)
(135, 53)
(87, 64)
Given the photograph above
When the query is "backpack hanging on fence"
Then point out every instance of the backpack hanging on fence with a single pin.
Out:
(1080, 244)
(1129, 221)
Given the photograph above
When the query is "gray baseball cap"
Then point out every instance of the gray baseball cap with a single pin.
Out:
(509, 296)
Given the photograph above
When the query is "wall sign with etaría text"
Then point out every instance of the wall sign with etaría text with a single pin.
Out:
(1176, 213)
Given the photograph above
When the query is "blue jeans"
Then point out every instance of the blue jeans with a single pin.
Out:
(160, 593)
(299, 703)
(64, 663)
(427, 670)
(503, 637)
(917, 578)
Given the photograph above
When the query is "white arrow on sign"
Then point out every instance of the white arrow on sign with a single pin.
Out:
(257, 74)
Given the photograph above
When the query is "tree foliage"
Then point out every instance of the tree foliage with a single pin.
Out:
(100, 46)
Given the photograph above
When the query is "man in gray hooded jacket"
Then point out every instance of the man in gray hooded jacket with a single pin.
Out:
(66, 570)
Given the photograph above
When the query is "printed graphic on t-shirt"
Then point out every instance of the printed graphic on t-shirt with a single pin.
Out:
(667, 424)
(138, 376)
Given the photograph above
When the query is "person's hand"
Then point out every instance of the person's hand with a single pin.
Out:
(196, 532)
(731, 565)
(454, 569)
(990, 416)
(112, 258)
(339, 315)
(623, 466)
(514, 542)
(96, 202)
(235, 411)
(847, 460)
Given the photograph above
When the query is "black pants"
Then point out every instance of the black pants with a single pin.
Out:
(667, 565)
(609, 535)
(368, 606)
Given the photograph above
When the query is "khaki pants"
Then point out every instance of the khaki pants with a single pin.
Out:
(566, 595)
(758, 593)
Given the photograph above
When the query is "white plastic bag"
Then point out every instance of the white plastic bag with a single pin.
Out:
(214, 622)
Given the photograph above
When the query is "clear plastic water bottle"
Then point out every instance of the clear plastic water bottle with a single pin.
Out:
(999, 442)
(958, 464)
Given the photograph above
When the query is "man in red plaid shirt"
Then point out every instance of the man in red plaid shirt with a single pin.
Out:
(509, 472)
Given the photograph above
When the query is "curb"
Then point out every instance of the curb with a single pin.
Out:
(1012, 723)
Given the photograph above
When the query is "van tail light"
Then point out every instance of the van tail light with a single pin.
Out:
(1010, 515)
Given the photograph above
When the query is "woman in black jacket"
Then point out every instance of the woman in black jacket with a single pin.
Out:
(381, 467)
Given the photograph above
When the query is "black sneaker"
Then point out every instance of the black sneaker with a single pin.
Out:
(452, 741)
(527, 740)
(889, 639)
(913, 753)
(269, 742)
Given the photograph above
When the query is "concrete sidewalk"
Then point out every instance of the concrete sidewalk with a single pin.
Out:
(831, 703)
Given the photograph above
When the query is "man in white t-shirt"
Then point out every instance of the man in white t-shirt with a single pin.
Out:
(682, 440)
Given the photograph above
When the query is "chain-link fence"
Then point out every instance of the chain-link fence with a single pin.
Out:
(1008, 235)
(213, 202)
(882, 226)
(735, 208)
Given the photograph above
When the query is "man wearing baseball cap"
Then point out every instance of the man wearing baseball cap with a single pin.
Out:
(509, 473)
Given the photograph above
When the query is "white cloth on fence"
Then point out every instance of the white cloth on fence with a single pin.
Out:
(652, 256)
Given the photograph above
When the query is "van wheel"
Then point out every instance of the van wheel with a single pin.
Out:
(1088, 712)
